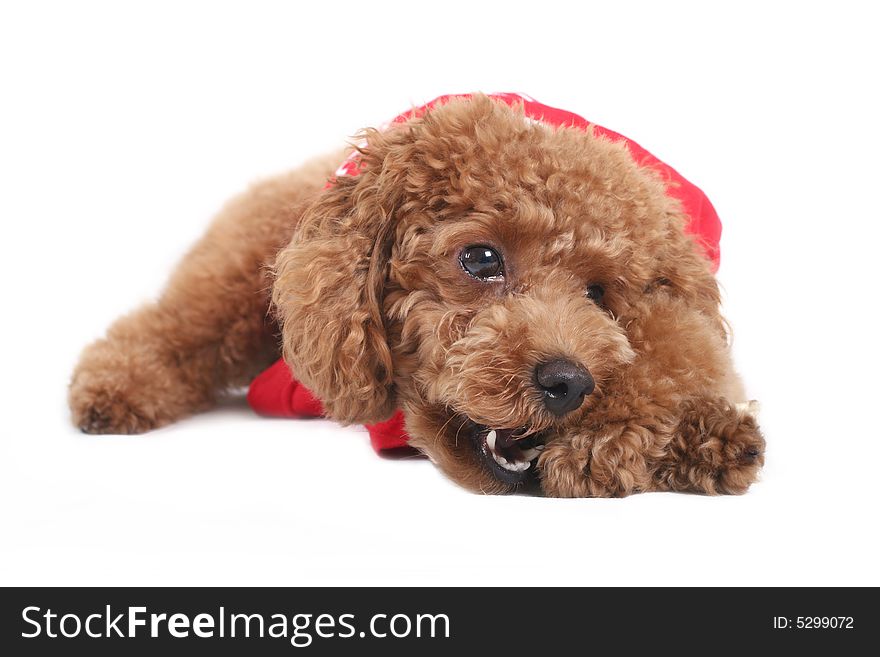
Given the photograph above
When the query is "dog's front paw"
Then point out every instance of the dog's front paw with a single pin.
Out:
(609, 463)
(564, 468)
(717, 449)
(116, 390)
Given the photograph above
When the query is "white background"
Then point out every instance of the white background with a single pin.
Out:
(124, 126)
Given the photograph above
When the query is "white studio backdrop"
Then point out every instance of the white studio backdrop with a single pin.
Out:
(125, 126)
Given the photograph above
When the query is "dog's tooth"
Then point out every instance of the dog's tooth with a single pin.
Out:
(490, 439)
(529, 454)
(751, 407)
(504, 463)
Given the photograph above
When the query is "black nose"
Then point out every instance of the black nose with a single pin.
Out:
(564, 384)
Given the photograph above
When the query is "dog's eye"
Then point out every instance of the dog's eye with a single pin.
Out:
(596, 292)
(482, 262)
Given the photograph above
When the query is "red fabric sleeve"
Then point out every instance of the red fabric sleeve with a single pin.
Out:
(390, 434)
(276, 393)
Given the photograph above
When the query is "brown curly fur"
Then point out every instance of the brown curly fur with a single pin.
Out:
(375, 313)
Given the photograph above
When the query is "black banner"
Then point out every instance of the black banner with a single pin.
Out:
(527, 621)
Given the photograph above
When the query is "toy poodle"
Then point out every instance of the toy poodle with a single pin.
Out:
(526, 294)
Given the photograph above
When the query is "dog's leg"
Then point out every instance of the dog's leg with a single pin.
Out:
(210, 330)
(716, 448)
(713, 447)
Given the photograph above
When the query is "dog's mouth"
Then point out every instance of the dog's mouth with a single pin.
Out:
(509, 454)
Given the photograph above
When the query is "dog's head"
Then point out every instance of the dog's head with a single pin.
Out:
(481, 273)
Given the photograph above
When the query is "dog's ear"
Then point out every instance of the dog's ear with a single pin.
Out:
(681, 265)
(328, 294)
(683, 271)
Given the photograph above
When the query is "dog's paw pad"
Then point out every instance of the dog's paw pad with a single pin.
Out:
(745, 456)
(750, 455)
